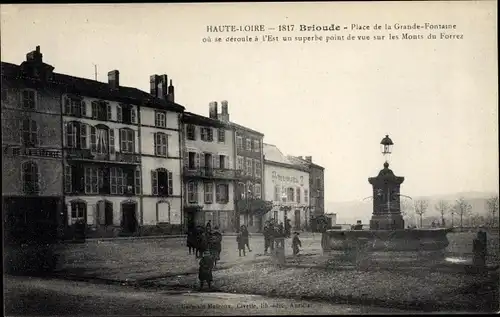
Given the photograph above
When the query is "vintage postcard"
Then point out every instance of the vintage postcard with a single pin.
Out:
(250, 158)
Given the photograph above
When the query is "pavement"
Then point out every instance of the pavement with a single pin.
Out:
(36, 296)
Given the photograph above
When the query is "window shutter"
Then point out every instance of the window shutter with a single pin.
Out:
(197, 160)
(67, 105)
(65, 142)
(201, 160)
(94, 109)
(194, 132)
(138, 181)
(93, 139)
(119, 113)
(123, 139)
(214, 160)
(186, 158)
(156, 143)
(83, 109)
(133, 115)
(154, 182)
(108, 111)
(217, 161)
(227, 164)
(83, 136)
(112, 141)
(170, 184)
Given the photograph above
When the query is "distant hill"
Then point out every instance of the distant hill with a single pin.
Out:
(351, 211)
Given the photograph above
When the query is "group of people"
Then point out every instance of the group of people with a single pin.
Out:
(273, 230)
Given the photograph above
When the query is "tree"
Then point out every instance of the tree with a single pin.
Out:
(493, 209)
(421, 208)
(443, 207)
(463, 209)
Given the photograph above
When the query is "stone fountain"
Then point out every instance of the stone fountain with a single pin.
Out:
(387, 233)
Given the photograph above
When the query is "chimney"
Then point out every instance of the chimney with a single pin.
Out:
(114, 79)
(35, 56)
(171, 95)
(212, 113)
(162, 87)
(154, 80)
(309, 159)
(224, 116)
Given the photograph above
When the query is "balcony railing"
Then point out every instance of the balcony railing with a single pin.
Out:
(87, 155)
(218, 173)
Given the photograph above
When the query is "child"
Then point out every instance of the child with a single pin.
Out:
(296, 243)
(241, 243)
(205, 271)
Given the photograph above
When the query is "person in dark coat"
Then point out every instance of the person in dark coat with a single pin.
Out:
(191, 239)
(241, 243)
(201, 242)
(215, 245)
(288, 228)
(267, 237)
(205, 270)
(208, 227)
(246, 237)
(296, 243)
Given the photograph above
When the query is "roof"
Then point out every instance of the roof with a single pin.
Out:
(272, 153)
(298, 160)
(93, 88)
(237, 126)
(189, 117)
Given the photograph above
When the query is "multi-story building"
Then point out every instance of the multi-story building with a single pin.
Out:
(249, 160)
(287, 186)
(32, 185)
(209, 172)
(316, 184)
(122, 156)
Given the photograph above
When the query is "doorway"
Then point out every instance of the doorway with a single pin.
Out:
(297, 219)
(129, 219)
(105, 213)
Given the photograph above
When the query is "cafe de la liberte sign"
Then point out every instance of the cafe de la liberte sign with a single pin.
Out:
(288, 179)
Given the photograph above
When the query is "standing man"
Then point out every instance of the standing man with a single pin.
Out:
(209, 226)
(267, 236)
(246, 237)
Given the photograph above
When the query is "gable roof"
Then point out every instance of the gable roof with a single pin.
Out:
(96, 89)
(273, 154)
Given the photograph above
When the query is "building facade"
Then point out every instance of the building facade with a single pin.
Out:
(209, 172)
(316, 184)
(287, 186)
(32, 185)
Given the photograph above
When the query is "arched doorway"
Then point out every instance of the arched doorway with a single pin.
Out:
(104, 213)
(129, 216)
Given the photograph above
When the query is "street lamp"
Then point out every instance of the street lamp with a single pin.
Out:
(386, 146)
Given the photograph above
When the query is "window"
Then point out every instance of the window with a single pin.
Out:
(249, 166)
(101, 110)
(192, 192)
(290, 194)
(277, 189)
(162, 182)
(126, 114)
(239, 143)
(29, 133)
(28, 99)
(94, 179)
(99, 140)
(117, 180)
(256, 145)
(68, 172)
(249, 145)
(138, 181)
(298, 195)
(192, 156)
(222, 162)
(257, 191)
(258, 169)
(127, 141)
(209, 193)
(119, 113)
(75, 107)
(241, 163)
(31, 178)
(191, 132)
(83, 110)
(78, 211)
(306, 196)
(318, 182)
(71, 132)
(83, 135)
(241, 190)
(207, 134)
(112, 141)
(221, 135)
(222, 193)
(161, 144)
(160, 119)
(283, 194)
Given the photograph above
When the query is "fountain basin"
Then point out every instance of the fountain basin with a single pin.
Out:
(413, 240)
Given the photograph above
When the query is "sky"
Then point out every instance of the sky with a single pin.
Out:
(437, 99)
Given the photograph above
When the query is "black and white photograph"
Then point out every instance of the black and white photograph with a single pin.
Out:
(265, 158)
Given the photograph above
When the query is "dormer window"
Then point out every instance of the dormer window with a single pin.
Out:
(127, 114)
(28, 98)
